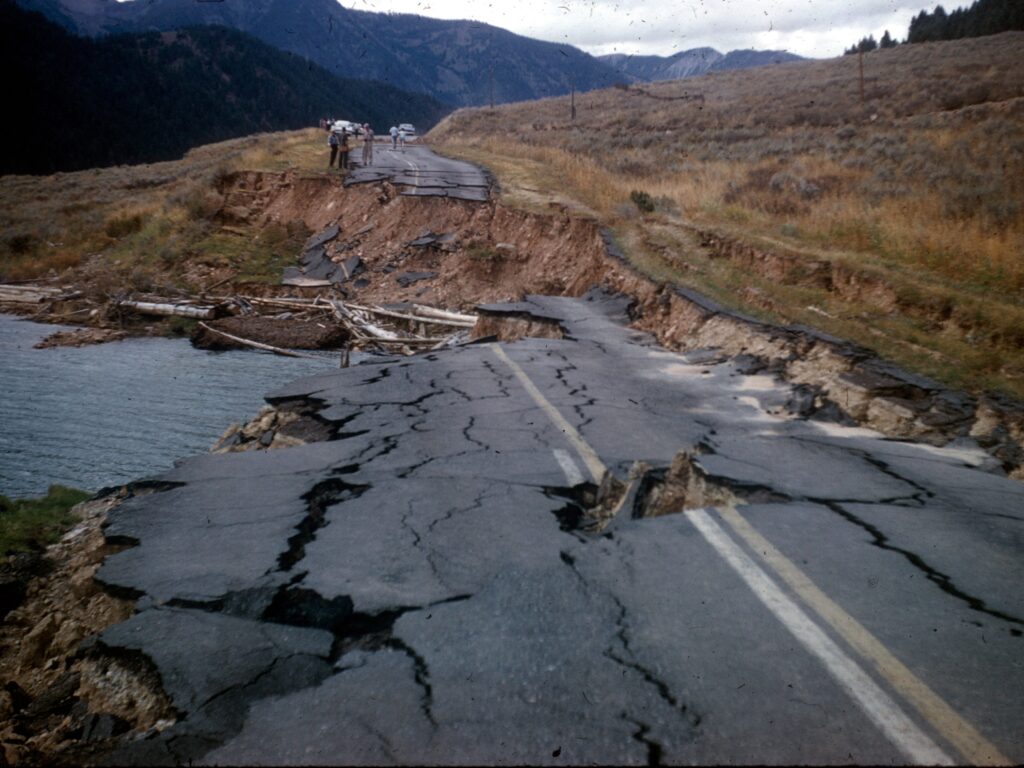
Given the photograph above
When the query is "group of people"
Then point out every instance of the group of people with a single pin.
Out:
(337, 141)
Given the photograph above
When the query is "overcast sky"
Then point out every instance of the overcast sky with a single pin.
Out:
(815, 28)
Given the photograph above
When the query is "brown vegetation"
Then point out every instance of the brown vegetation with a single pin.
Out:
(149, 226)
(897, 221)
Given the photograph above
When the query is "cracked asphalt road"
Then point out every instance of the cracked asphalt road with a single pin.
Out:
(422, 173)
(424, 588)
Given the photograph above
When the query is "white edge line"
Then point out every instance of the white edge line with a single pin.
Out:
(572, 472)
(873, 701)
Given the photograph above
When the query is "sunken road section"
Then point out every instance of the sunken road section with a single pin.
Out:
(507, 553)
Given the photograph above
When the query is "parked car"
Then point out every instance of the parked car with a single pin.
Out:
(409, 128)
(347, 126)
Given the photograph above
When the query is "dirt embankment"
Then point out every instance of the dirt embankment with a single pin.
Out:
(62, 699)
(466, 253)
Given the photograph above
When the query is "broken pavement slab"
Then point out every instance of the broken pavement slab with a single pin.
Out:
(420, 172)
(431, 554)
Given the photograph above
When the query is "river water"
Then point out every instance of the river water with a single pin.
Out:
(104, 415)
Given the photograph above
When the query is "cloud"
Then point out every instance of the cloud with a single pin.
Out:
(807, 27)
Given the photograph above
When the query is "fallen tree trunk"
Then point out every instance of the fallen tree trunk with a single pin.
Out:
(414, 318)
(441, 314)
(27, 294)
(256, 344)
(170, 310)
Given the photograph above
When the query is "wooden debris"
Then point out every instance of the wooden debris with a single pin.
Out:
(257, 344)
(404, 329)
(28, 294)
(180, 309)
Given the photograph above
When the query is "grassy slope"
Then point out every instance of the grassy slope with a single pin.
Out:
(30, 524)
(141, 227)
(917, 191)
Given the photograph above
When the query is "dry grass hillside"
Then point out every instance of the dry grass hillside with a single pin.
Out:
(154, 226)
(896, 221)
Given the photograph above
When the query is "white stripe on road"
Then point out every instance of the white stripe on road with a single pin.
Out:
(875, 703)
(589, 456)
(943, 718)
(572, 472)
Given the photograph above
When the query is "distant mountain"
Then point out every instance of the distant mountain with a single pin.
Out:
(697, 61)
(77, 103)
(679, 65)
(458, 62)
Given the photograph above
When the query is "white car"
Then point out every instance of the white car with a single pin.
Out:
(410, 130)
(346, 126)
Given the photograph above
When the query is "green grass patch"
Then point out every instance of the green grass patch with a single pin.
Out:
(28, 525)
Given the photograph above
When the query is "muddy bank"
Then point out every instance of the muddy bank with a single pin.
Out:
(62, 700)
(276, 331)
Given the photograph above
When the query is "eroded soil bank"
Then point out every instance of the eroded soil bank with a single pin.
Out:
(469, 253)
(65, 699)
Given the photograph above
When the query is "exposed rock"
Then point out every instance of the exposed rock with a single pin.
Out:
(408, 278)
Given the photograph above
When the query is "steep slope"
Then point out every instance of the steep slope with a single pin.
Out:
(691, 63)
(458, 62)
(141, 98)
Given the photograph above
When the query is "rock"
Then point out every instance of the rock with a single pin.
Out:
(428, 238)
(58, 699)
(69, 634)
(322, 237)
(17, 696)
(408, 278)
(352, 266)
(6, 706)
(12, 594)
(37, 642)
(267, 438)
(99, 727)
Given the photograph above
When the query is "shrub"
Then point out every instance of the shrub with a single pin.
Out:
(123, 225)
(642, 201)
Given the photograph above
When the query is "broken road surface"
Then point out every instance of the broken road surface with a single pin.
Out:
(422, 173)
(576, 550)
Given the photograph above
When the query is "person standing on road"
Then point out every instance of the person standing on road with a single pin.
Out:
(332, 142)
(343, 150)
(367, 144)
(401, 138)
(394, 137)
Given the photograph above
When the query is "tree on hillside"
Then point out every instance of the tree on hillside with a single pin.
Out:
(983, 17)
(866, 44)
(886, 41)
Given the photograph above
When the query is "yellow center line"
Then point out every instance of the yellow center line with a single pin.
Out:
(586, 453)
(954, 728)
(961, 734)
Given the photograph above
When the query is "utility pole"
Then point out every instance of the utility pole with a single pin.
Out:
(492, 85)
(860, 62)
(572, 103)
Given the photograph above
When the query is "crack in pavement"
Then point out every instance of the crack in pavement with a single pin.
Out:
(938, 578)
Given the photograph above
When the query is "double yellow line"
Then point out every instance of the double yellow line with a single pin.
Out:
(974, 747)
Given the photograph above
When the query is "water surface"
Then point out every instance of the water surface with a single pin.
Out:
(103, 415)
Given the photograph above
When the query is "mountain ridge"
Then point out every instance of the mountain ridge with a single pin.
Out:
(461, 63)
(153, 96)
(693, 62)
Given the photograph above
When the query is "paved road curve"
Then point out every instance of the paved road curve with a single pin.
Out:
(429, 585)
(421, 173)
